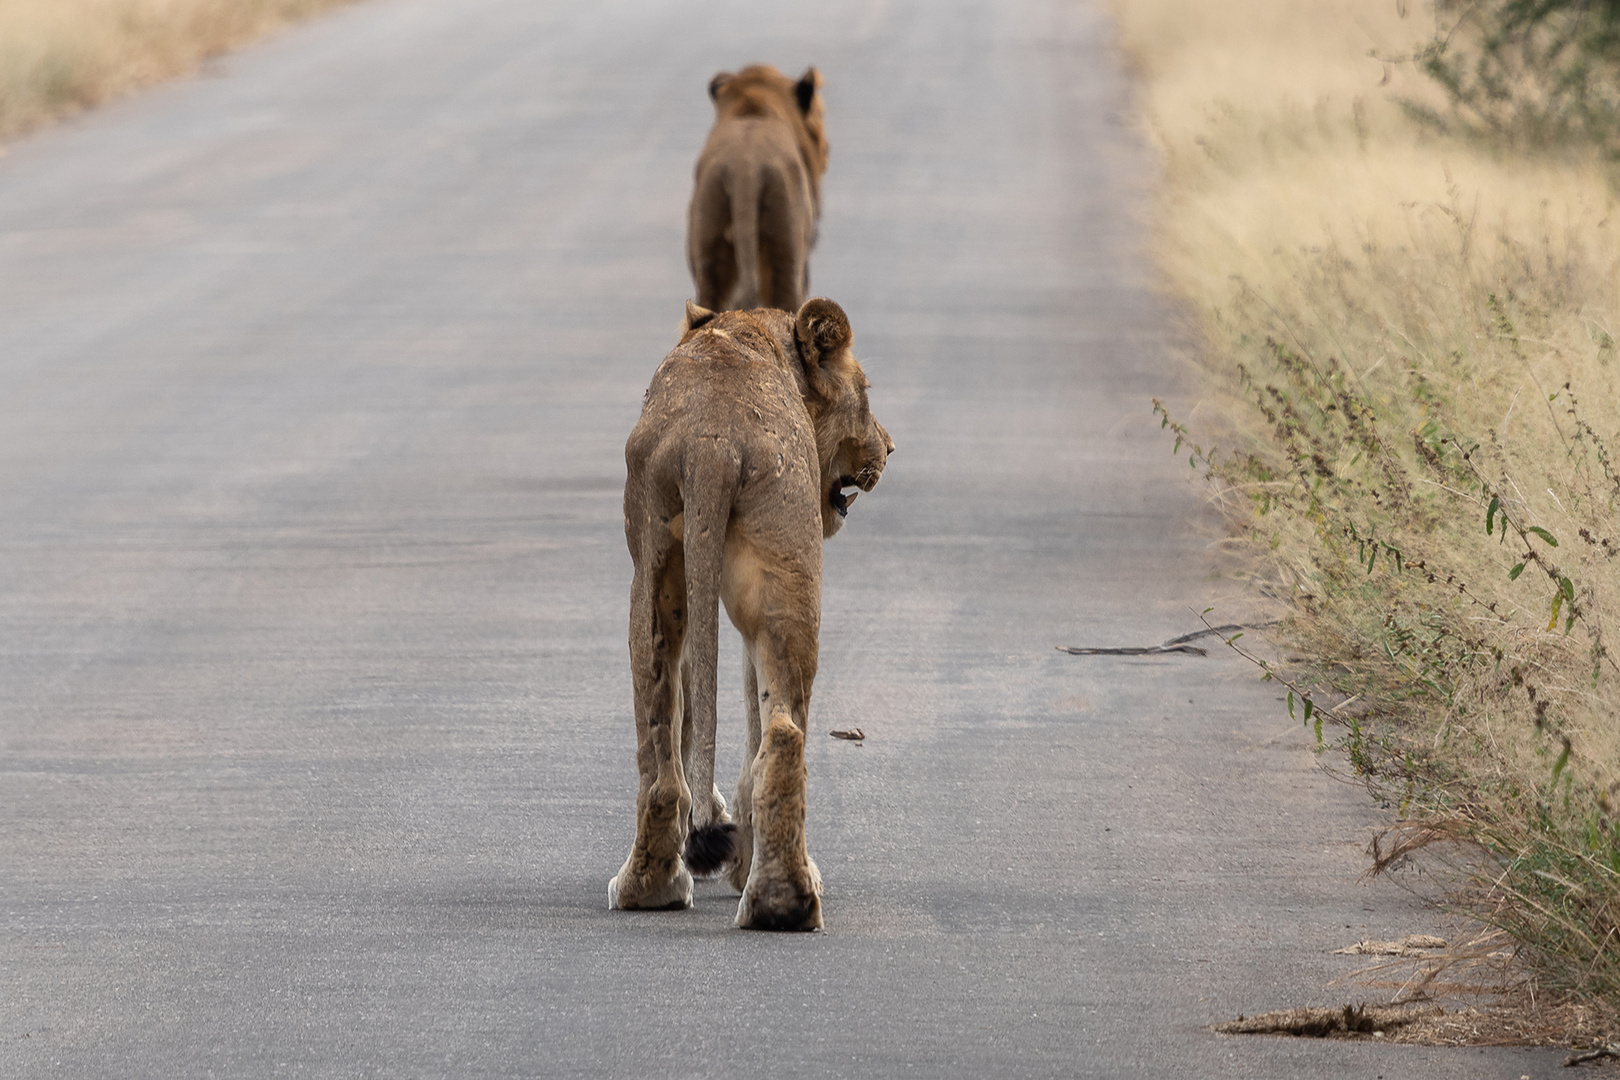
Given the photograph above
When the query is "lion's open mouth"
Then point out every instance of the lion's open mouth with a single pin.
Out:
(840, 501)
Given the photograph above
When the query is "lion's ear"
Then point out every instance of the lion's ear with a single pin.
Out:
(716, 83)
(805, 90)
(695, 317)
(822, 331)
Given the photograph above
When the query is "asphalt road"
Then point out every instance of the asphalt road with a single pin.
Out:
(316, 750)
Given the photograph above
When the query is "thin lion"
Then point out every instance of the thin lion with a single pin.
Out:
(751, 433)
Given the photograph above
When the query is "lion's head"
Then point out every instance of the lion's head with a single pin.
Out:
(851, 446)
(761, 90)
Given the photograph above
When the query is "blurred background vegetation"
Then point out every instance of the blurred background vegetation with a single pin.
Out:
(59, 56)
(1534, 74)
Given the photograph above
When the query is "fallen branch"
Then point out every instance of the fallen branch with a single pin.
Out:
(1610, 1051)
(1174, 645)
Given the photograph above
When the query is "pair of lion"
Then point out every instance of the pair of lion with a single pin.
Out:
(750, 434)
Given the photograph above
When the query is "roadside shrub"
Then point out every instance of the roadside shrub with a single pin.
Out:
(1445, 518)
(1533, 73)
(1410, 414)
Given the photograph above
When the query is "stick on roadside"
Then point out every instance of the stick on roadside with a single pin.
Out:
(1174, 645)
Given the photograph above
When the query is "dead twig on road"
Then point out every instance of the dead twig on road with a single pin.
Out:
(1610, 1051)
(1174, 645)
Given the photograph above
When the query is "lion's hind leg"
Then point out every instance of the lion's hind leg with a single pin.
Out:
(653, 876)
(711, 254)
(742, 860)
(784, 256)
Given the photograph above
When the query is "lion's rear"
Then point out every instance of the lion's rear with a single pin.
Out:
(753, 214)
(727, 499)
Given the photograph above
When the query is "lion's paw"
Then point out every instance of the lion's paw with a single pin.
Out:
(673, 895)
(779, 906)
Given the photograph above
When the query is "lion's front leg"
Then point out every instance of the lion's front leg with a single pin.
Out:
(783, 886)
(743, 858)
(783, 891)
(653, 876)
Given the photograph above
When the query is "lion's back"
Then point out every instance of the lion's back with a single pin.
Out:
(716, 392)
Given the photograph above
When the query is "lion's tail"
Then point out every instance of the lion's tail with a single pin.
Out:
(708, 488)
(746, 191)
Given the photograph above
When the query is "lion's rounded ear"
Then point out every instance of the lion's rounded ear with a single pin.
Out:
(695, 317)
(805, 90)
(824, 337)
(716, 83)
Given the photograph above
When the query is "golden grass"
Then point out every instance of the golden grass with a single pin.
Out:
(1403, 336)
(58, 56)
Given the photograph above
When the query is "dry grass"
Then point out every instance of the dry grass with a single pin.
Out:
(58, 56)
(1409, 338)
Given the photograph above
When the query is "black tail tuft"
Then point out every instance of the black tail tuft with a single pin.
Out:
(710, 848)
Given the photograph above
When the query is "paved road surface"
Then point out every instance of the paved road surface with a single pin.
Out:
(315, 734)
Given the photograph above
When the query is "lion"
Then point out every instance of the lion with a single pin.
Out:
(757, 196)
(751, 433)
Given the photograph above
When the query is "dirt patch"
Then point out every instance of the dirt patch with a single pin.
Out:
(1350, 1021)
(1469, 991)
(1424, 1024)
(1410, 945)
(1427, 1024)
(1519, 1024)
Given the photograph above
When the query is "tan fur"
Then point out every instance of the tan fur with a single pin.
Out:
(757, 195)
(752, 427)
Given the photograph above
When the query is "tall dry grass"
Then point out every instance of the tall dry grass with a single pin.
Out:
(1412, 416)
(58, 56)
